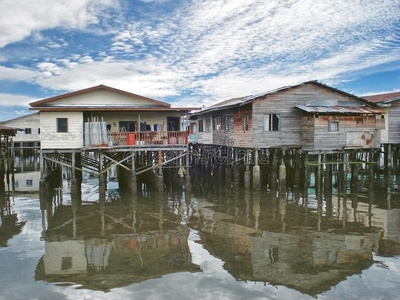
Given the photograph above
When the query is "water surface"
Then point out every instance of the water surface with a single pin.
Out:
(214, 245)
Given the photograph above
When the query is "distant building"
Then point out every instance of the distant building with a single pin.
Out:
(389, 104)
(26, 146)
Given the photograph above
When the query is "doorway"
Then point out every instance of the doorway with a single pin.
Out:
(173, 123)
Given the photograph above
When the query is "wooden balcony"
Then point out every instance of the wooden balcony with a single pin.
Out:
(148, 138)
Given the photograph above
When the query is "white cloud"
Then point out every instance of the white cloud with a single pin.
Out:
(221, 49)
(18, 73)
(21, 18)
(149, 78)
(12, 100)
(260, 40)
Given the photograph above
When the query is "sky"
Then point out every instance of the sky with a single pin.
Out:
(194, 52)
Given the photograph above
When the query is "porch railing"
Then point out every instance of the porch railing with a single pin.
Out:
(149, 138)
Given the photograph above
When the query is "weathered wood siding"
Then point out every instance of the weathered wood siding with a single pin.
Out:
(307, 131)
(283, 103)
(394, 123)
(243, 138)
(316, 134)
(222, 136)
(51, 139)
(205, 136)
(101, 97)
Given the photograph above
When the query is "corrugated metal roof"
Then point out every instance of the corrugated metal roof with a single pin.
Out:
(247, 99)
(338, 109)
(383, 98)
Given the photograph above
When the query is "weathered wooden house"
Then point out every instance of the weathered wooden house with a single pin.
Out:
(389, 104)
(311, 116)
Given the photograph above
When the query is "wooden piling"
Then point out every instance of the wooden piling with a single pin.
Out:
(256, 172)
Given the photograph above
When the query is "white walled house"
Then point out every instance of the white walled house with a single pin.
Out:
(29, 125)
(26, 145)
(77, 119)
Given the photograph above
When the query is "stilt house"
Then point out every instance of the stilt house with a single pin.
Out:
(96, 131)
(311, 116)
(102, 116)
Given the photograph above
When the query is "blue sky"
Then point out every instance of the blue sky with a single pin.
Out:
(194, 53)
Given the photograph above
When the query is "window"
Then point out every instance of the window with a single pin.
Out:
(29, 182)
(62, 125)
(201, 129)
(66, 263)
(208, 125)
(217, 124)
(245, 118)
(229, 124)
(333, 125)
(128, 126)
(272, 122)
(38, 130)
(28, 130)
(359, 121)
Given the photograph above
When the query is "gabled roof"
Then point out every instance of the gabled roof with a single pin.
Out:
(248, 99)
(383, 98)
(45, 102)
(20, 117)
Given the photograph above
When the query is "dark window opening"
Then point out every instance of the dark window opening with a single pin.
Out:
(245, 122)
(62, 125)
(66, 263)
(229, 124)
(272, 122)
(201, 128)
(173, 123)
(333, 126)
(127, 126)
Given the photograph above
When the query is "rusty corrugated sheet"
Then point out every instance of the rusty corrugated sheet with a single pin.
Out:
(338, 109)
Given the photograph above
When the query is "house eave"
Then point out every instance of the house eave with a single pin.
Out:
(112, 109)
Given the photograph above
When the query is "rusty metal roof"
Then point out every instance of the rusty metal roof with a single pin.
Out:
(338, 109)
(248, 99)
(383, 98)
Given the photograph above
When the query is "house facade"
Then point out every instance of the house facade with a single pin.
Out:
(310, 116)
(105, 116)
(389, 104)
(25, 148)
(29, 126)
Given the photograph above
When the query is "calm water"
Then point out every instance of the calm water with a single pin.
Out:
(210, 246)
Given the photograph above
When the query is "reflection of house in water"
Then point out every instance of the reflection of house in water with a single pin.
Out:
(9, 224)
(387, 219)
(285, 244)
(104, 246)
